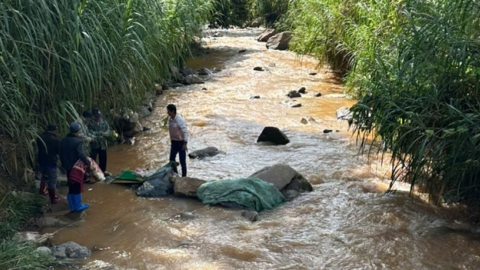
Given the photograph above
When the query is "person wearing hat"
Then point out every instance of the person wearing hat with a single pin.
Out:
(48, 145)
(72, 150)
(99, 129)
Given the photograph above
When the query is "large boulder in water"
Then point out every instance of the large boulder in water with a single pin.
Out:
(268, 33)
(273, 135)
(186, 186)
(279, 41)
(286, 179)
(205, 152)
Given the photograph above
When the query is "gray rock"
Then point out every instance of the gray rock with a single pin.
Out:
(285, 179)
(279, 174)
(279, 41)
(204, 72)
(298, 105)
(259, 69)
(59, 252)
(266, 35)
(193, 79)
(293, 94)
(44, 250)
(35, 237)
(186, 186)
(205, 152)
(273, 135)
(302, 90)
(344, 113)
(71, 250)
(250, 215)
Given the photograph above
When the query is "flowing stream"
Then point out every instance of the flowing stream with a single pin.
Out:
(347, 222)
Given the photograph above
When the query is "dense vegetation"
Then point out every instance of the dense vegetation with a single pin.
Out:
(57, 57)
(415, 67)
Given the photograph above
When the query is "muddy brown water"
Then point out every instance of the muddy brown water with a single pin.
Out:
(347, 222)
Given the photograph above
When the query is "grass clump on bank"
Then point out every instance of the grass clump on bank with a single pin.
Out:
(57, 57)
(15, 212)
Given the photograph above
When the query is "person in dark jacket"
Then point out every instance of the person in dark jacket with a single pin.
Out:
(48, 145)
(72, 150)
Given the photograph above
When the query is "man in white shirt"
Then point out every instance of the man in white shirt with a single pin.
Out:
(177, 128)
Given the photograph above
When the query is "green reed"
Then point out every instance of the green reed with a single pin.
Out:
(57, 57)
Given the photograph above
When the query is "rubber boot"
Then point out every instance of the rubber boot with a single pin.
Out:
(71, 202)
(54, 199)
(43, 188)
(78, 203)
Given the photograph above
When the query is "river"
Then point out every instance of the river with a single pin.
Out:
(347, 222)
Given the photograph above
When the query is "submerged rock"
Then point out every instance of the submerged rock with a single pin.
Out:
(251, 215)
(205, 152)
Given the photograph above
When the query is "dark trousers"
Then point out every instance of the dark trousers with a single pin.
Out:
(102, 157)
(73, 187)
(177, 147)
(49, 175)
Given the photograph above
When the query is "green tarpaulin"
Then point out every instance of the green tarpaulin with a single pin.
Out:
(252, 193)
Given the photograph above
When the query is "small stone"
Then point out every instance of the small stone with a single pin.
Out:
(327, 130)
(255, 97)
(242, 51)
(312, 73)
(302, 90)
(44, 250)
(298, 105)
(293, 94)
(318, 94)
(250, 215)
(259, 69)
(304, 121)
(204, 89)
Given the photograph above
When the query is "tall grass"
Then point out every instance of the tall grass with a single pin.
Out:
(15, 212)
(415, 67)
(57, 57)
(425, 105)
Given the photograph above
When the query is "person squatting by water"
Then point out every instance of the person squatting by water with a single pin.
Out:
(177, 128)
(71, 150)
(99, 129)
(48, 145)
